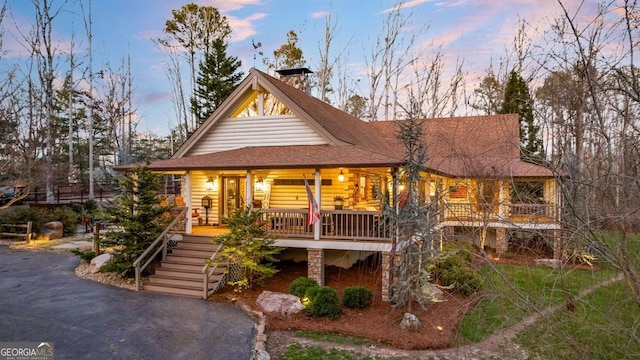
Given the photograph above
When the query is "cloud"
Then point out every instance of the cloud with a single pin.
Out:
(226, 6)
(405, 5)
(244, 28)
(320, 14)
(155, 98)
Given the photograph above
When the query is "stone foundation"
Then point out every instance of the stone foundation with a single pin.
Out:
(559, 249)
(386, 279)
(501, 241)
(315, 265)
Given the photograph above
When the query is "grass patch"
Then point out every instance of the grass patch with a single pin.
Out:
(512, 292)
(604, 325)
(299, 352)
(333, 338)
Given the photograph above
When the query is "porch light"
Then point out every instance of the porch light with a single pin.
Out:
(209, 184)
(341, 176)
(259, 184)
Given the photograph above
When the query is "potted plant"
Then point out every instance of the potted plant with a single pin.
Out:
(338, 201)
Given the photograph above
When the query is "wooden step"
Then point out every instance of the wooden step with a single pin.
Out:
(181, 252)
(207, 248)
(185, 259)
(196, 239)
(185, 274)
(190, 291)
(167, 264)
(181, 272)
(171, 280)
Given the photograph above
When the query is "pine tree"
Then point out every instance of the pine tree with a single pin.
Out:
(139, 213)
(218, 76)
(249, 246)
(517, 100)
(415, 219)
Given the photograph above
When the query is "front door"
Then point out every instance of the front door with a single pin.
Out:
(232, 190)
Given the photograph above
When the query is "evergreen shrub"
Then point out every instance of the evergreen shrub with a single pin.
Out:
(323, 301)
(300, 285)
(357, 297)
(453, 268)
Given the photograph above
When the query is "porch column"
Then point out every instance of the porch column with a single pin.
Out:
(315, 265)
(501, 203)
(386, 276)
(318, 196)
(187, 185)
(559, 251)
(501, 241)
(249, 189)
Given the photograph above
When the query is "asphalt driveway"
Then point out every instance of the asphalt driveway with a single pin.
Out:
(41, 300)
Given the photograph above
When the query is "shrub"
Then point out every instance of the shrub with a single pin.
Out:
(300, 285)
(323, 302)
(462, 249)
(85, 255)
(453, 268)
(249, 245)
(357, 297)
(39, 217)
(123, 268)
(464, 279)
(68, 218)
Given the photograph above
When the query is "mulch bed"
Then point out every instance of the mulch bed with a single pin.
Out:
(378, 323)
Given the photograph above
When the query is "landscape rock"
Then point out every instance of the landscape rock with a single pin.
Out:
(52, 230)
(552, 263)
(274, 302)
(262, 355)
(99, 261)
(432, 293)
(410, 322)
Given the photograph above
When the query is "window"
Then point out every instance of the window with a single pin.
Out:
(458, 192)
(527, 192)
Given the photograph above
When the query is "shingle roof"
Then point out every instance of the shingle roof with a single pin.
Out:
(478, 146)
(280, 157)
(340, 124)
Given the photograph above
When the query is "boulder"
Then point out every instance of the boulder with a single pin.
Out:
(99, 261)
(52, 230)
(432, 293)
(552, 263)
(410, 322)
(262, 355)
(285, 304)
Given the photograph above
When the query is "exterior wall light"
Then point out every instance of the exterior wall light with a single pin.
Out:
(259, 184)
(341, 177)
(211, 184)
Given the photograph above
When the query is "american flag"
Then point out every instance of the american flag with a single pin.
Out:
(314, 210)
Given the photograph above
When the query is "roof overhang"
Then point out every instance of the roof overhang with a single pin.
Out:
(277, 157)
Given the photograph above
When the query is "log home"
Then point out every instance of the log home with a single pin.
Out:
(260, 144)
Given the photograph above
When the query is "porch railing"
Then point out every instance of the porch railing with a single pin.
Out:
(334, 224)
(491, 212)
(159, 245)
(208, 270)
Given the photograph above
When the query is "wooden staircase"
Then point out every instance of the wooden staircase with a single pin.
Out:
(181, 272)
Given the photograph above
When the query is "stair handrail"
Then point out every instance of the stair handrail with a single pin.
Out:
(207, 272)
(164, 238)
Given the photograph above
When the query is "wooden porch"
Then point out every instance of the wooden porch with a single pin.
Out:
(347, 225)
(516, 214)
(374, 226)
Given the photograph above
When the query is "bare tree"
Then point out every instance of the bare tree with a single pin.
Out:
(45, 52)
(194, 28)
(434, 95)
(388, 57)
